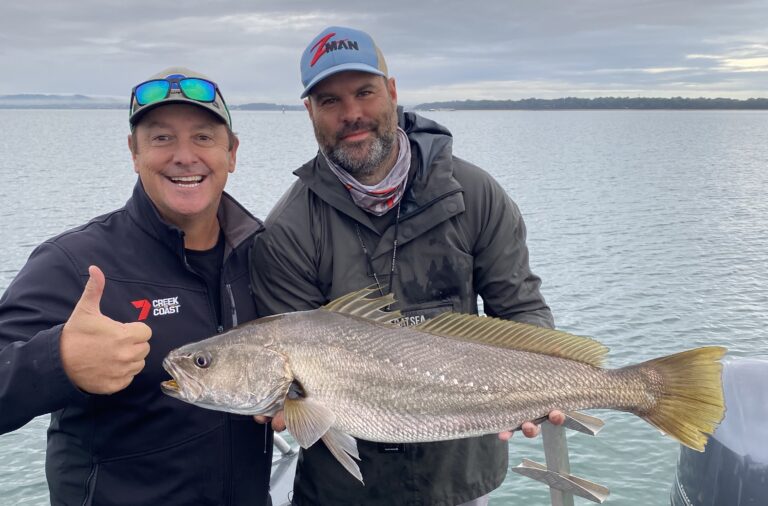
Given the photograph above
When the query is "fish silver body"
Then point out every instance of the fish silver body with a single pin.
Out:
(338, 374)
(391, 384)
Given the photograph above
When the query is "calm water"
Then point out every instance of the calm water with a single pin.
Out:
(649, 229)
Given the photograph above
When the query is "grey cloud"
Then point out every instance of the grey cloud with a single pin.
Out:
(102, 47)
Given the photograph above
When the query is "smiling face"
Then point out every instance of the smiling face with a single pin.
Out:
(182, 156)
(354, 115)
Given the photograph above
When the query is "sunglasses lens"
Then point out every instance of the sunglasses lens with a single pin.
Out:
(152, 91)
(198, 89)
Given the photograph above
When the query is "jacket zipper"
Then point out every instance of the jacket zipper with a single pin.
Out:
(227, 418)
(232, 304)
(90, 486)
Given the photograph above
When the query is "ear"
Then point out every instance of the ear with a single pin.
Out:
(233, 155)
(308, 107)
(392, 89)
(134, 155)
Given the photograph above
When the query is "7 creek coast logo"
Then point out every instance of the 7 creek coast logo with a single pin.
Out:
(159, 307)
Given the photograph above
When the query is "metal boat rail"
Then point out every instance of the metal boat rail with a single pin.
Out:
(283, 470)
(556, 473)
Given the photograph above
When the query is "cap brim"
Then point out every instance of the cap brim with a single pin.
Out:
(181, 99)
(362, 67)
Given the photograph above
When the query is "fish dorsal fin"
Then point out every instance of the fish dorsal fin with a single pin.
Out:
(360, 304)
(516, 336)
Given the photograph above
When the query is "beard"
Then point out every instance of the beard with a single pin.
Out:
(361, 159)
(359, 164)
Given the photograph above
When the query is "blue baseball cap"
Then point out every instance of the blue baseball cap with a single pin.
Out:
(337, 49)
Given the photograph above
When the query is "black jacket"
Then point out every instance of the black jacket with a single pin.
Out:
(459, 236)
(137, 446)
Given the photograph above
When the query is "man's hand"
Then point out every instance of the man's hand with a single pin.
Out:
(100, 355)
(278, 422)
(531, 429)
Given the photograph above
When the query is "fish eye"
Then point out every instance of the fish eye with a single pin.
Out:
(202, 359)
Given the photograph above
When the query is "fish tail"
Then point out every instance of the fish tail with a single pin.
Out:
(688, 392)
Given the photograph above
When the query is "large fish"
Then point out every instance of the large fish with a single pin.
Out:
(344, 371)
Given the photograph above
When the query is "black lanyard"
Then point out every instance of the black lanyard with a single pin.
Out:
(394, 255)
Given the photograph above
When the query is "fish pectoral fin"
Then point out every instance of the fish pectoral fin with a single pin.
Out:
(344, 447)
(307, 420)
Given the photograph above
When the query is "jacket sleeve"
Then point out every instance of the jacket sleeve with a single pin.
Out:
(283, 274)
(32, 313)
(502, 272)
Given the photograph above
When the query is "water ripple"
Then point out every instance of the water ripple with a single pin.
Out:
(648, 229)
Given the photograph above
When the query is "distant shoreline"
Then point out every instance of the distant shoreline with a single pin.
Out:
(530, 104)
(602, 103)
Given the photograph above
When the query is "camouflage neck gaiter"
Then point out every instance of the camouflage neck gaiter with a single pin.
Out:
(381, 197)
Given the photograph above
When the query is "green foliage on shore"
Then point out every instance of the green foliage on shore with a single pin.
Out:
(538, 104)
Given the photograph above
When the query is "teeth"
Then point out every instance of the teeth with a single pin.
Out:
(187, 179)
(170, 386)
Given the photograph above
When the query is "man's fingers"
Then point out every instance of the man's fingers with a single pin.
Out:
(278, 422)
(140, 332)
(143, 350)
(556, 417)
(136, 367)
(90, 300)
(98, 354)
(530, 429)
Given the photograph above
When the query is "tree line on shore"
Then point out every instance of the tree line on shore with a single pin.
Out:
(540, 104)
(32, 101)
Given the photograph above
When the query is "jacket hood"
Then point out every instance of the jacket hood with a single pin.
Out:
(429, 136)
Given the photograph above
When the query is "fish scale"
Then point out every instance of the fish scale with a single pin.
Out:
(339, 375)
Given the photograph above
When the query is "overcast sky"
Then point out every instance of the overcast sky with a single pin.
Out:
(436, 49)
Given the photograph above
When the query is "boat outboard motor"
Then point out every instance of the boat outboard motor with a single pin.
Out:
(733, 471)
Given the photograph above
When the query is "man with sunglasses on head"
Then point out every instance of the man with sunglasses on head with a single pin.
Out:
(385, 203)
(77, 319)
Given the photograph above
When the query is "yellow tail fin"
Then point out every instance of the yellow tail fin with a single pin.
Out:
(690, 405)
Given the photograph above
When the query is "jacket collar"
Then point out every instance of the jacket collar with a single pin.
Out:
(432, 196)
(235, 221)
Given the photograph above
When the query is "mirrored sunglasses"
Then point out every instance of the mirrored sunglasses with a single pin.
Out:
(194, 88)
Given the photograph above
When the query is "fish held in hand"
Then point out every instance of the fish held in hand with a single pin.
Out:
(346, 371)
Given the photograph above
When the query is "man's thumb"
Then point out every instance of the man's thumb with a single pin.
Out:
(90, 300)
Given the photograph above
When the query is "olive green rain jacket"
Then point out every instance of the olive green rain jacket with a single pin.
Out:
(459, 236)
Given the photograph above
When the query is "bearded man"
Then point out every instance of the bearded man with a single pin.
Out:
(386, 203)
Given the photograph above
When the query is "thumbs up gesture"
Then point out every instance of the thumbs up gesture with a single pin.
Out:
(100, 355)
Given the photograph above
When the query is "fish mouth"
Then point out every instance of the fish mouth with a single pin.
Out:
(170, 387)
(180, 386)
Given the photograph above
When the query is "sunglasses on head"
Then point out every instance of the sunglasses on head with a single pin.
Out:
(194, 88)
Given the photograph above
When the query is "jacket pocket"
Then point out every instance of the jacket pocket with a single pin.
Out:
(190, 472)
